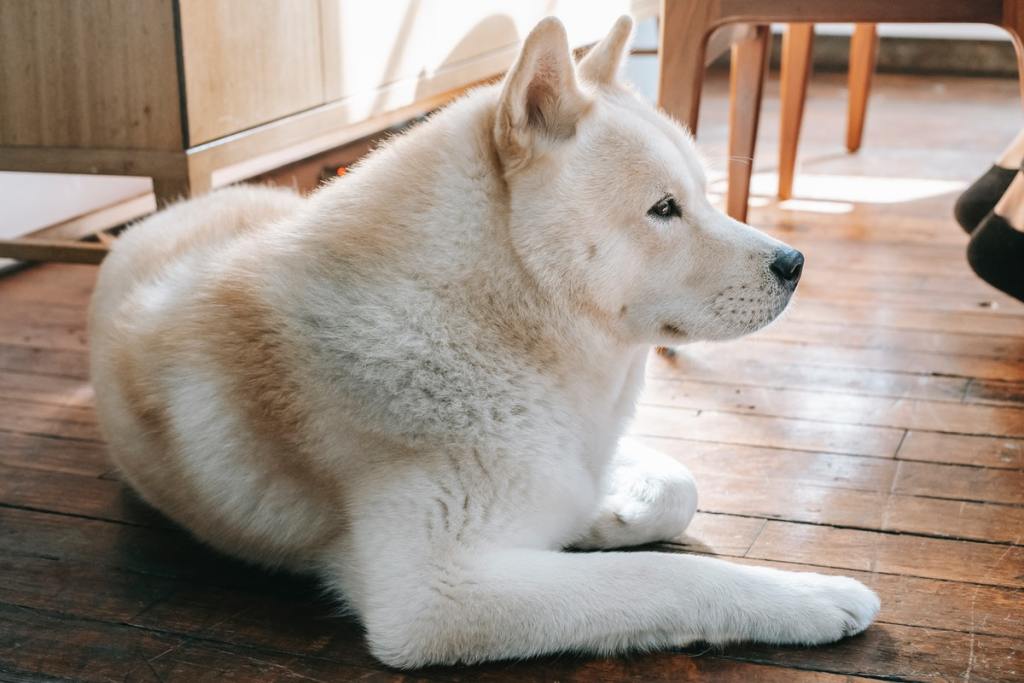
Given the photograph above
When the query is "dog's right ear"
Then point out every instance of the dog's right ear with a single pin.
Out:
(540, 99)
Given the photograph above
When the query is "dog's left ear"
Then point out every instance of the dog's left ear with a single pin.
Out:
(601, 64)
(541, 99)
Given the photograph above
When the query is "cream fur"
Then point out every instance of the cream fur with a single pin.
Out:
(414, 382)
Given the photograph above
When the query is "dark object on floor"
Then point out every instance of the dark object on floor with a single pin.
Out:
(980, 198)
(996, 254)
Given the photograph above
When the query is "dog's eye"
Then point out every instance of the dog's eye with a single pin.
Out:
(665, 208)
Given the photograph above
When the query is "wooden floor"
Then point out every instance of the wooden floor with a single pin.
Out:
(878, 431)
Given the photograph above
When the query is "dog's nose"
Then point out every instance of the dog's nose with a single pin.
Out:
(788, 265)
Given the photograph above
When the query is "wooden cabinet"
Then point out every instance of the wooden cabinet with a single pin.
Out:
(200, 93)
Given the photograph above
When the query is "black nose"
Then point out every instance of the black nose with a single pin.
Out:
(788, 265)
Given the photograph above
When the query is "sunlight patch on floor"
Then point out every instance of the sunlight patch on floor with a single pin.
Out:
(855, 189)
(815, 206)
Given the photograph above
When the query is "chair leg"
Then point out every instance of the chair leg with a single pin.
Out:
(797, 43)
(746, 84)
(863, 52)
(685, 25)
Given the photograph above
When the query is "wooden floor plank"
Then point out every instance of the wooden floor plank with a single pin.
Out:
(53, 454)
(757, 430)
(891, 360)
(970, 562)
(93, 651)
(34, 360)
(975, 305)
(58, 283)
(957, 282)
(961, 483)
(904, 653)
(907, 318)
(830, 407)
(51, 326)
(874, 510)
(964, 450)
(872, 493)
(869, 336)
(71, 494)
(66, 421)
(997, 392)
(21, 386)
(692, 363)
(776, 464)
(795, 468)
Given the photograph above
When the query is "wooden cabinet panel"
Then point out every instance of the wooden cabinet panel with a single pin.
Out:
(405, 50)
(247, 62)
(101, 73)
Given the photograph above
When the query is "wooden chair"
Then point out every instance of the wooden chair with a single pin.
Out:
(687, 24)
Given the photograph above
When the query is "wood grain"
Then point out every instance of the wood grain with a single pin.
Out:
(832, 355)
(851, 491)
(779, 464)
(59, 391)
(869, 510)
(964, 450)
(868, 336)
(56, 325)
(109, 70)
(60, 363)
(863, 53)
(982, 563)
(757, 430)
(907, 653)
(70, 422)
(65, 251)
(982, 391)
(731, 366)
(749, 64)
(53, 454)
(839, 408)
(247, 62)
(795, 71)
(962, 483)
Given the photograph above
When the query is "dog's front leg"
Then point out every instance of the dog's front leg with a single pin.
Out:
(514, 603)
(649, 497)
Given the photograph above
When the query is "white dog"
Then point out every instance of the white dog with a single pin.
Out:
(414, 382)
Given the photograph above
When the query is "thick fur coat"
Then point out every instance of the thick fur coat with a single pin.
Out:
(414, 383)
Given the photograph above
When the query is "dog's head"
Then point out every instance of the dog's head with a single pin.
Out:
(608, 203)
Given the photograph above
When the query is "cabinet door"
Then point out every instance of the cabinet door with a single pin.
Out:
(101, 73)
(247, 62)
(384, 54)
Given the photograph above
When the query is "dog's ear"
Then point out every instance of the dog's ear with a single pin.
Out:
(601, 64)
(540, 99)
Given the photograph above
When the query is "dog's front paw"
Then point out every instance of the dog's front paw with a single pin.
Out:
(821, 609)
(644, 509)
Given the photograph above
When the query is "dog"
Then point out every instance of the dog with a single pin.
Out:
(414, 383)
